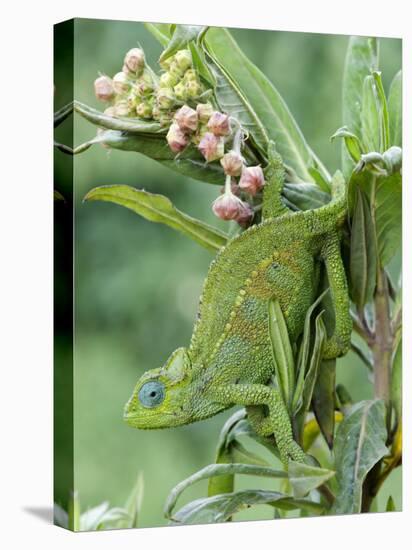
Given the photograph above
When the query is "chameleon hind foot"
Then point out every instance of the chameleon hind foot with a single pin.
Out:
(254, 397)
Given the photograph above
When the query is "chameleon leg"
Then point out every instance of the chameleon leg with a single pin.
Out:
(277, 422)
(338, 343)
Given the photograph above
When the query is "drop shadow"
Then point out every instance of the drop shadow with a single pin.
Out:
(45, 513)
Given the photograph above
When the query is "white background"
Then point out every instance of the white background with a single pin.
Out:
(26, 271)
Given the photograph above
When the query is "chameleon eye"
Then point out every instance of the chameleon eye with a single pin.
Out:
(152, 394)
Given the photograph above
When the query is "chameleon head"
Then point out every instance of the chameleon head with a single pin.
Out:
(159, 397)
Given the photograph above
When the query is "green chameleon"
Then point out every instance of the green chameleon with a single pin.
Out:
(229, 361)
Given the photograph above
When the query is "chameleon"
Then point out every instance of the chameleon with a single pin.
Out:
(229, 360)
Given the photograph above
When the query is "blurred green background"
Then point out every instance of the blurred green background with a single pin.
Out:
(137, 284)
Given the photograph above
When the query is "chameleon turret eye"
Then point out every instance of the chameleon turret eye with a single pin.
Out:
(152, 394)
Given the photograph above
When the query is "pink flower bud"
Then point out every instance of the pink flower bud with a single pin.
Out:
(176, 139)
(134, 60)
(121, 83)
(245, 215)
(204, 111)
(103, 88)
(219, 124)
(252, 179)
(230, 207)
(212, 147)
(232, 163)
(186, 118)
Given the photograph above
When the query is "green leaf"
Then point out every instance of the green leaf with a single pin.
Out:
(214, 470)
(353, 145)
(323, 399)
(395, 110)
(220, 508)
(282, 352)
(305, 478)
(361, 57)
(304, 196)
(383, 111)
(362, 253)
(390, 505)
(396, 382)
(161, 31)
(182, 35)
(359, 445)
(133, 504)
(189, 163)
(92, 518)
(131, 125)
(157, 208)
(370, 116)
(388, 216)
(246, 93)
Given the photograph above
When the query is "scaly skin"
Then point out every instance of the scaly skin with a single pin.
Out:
(229, 360)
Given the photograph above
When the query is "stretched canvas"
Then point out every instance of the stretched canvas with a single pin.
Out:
(228, 311)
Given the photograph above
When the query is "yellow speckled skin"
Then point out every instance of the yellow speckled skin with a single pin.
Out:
(229, 360)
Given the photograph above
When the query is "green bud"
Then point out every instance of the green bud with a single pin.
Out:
(204, 112)
(132, 101)
(189, 75)
(181, 91)
(175, 70)
(144, 84)
(167, 63)
(144, 110)
(156, 112)
(193, 89)
(165, 98)
(183, 60)
(122, 108)
(121, 83)
(165, 120)
(167, 80)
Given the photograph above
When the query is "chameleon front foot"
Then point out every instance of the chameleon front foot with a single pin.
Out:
(277, 422)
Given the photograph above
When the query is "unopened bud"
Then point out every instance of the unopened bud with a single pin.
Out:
(132, 102)
(166, 63)
(180, 91)
(204, 111)
(165, 98)
(245, 215)
(103, 88)
(183, 59)
(121, 83)
(134, 60)
(219, 124)
(144, 84)
(212, 147)
(122, 108)
(144, 110)
(252, 179)
(165, 119)
(190, 74)
(229, 207)
(168, 80)
(110, 111)
(176, 139)
(232, 163)
(186, 118)
(193, 89)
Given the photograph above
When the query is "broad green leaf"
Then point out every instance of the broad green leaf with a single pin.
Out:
(362, 253)
(214, 470)
(304, 196)
(157, 208)
(323, 399)
(182, 35)
(353, 145)
(302, 362)
(396, 381)
(130, 125)
(282, 352)
(361, 58)
(189, 163)
(62, 114)
(383, 111)
(161, 31)
(305, 478)
(220, 508)
(359, 445)
(245, 92)
(388, 214)
(200, 65)
(395, 110)
(370, 116)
